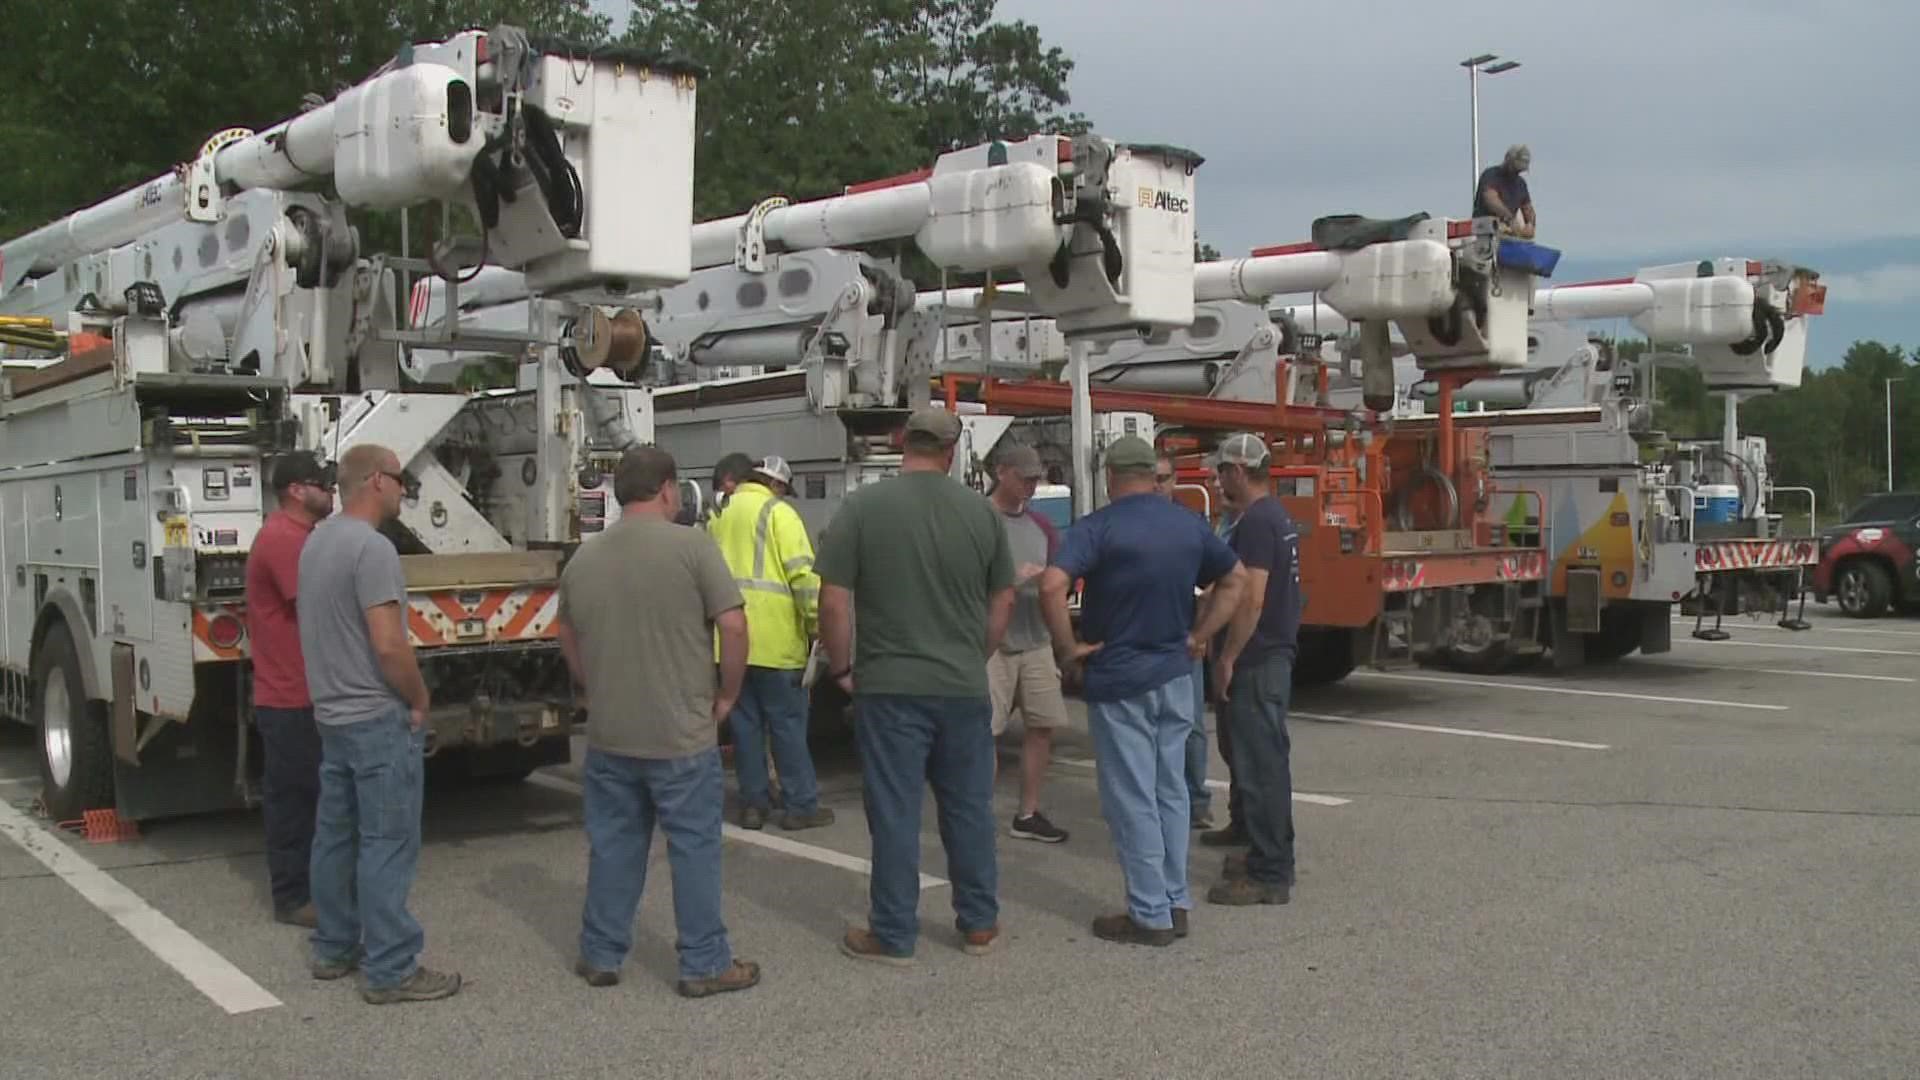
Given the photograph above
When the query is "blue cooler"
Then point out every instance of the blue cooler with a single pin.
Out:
(1716, 503)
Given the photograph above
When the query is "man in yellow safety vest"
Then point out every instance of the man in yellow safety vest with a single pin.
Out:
(767, 547)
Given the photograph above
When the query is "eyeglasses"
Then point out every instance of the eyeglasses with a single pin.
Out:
(1163, 478)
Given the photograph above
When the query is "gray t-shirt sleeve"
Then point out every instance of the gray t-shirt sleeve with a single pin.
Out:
(718, 591)
(836, 559)
(377, 577)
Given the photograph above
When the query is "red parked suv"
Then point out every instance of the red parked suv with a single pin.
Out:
(1867, 562)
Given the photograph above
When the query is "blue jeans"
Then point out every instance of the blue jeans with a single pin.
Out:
(1199, 799)
(1263, 766)
(366, 844)
(908, 741)
(773, 708)
(625, 798)
(1140, 746)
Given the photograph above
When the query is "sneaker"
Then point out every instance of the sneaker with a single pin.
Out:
(1122, 929)
(794, 822)
(1245, 892)
(1203, 819)
(595, 976)
(1231, 836)
(741, 975)
(862, 945)
(424, 984)
(753, 817)
(329, 970)
(1035, 826)
(1179, 922)
(303, 915)
(979, 942)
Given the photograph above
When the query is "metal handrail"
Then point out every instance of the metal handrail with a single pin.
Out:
(1540, 534)
(1686, 502)
(1813, 506)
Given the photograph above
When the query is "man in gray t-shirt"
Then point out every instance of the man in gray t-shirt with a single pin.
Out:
(371, 706)
(1021, 673)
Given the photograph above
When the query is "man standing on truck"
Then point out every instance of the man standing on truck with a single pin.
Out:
(1199, 799)
(1021, 673)
(770, 555)
(919, 562)
(639, 608)
(371, 705)
(1254, 667)
(1141, 557)
(282, 708)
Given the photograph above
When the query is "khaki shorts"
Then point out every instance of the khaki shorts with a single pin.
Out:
(1027, 681)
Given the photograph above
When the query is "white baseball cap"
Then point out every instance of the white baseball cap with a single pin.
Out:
(1242, 448)
(774, 467)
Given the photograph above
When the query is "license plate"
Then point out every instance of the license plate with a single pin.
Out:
(471, 628)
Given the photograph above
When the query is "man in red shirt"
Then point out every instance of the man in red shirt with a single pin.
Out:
(282, 709)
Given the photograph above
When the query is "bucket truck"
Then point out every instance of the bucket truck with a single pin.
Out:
(1399, 554)
(786, 340)
(223, 314)
(1621, 526)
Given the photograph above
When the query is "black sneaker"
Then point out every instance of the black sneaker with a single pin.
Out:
(753, 817)
(1035, 826)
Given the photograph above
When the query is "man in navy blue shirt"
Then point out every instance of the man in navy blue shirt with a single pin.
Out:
(1502, 193)
(1254, 665)
(1140, 558)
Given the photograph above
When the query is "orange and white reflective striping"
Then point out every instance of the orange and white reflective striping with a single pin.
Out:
(219, 633)
(472, 617)
(1523, 566)
(1754, 554)
(1399, 575)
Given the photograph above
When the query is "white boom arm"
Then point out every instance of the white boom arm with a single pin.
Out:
(579, 166)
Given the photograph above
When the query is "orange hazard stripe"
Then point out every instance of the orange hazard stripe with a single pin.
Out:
(422, 629)
(536, 600)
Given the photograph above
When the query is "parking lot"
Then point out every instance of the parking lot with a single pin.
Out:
(1700, 864)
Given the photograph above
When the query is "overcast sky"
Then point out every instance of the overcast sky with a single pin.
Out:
(1661, 131)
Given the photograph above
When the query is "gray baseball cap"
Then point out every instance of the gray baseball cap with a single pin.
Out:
(937, 422)
(1022, 458)
(1242, 448)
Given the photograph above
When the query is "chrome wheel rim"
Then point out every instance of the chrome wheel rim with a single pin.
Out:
(56, 729)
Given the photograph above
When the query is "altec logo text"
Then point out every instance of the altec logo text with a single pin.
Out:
(1155, 199)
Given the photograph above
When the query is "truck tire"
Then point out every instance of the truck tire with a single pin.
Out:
(1324, 656)
(1863, 589)
(1619, 635)
(1491, 659)
(76, 755)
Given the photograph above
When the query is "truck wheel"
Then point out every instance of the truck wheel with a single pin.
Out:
(1490, 659)
(1324, 656)
(1618, 636)
(1863, 589)
(76, 758)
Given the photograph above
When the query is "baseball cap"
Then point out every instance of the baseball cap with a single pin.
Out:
(300, 467)
(1242, 448)
(1023, 459)
(936, 422)
(1130, 452)
(776, 468)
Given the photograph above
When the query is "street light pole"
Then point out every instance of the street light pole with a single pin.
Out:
(1475, 65)
(1889, 393)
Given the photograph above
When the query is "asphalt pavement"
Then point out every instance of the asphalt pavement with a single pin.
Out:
(1701, 864)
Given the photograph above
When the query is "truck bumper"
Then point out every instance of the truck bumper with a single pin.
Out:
(483, 723)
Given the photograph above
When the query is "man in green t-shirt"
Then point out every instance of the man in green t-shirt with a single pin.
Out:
(920, 563)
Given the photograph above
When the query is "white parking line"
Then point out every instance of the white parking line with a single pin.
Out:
(1438, 730)
(1501, 684)
(1806, 648)
(1822, 629)
(1796, 672)
(5, 780)
(1222, 785)
(210, 973)
(781, 844)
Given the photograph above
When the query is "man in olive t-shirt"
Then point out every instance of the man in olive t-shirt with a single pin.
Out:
(919, 563)
(638, 608)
